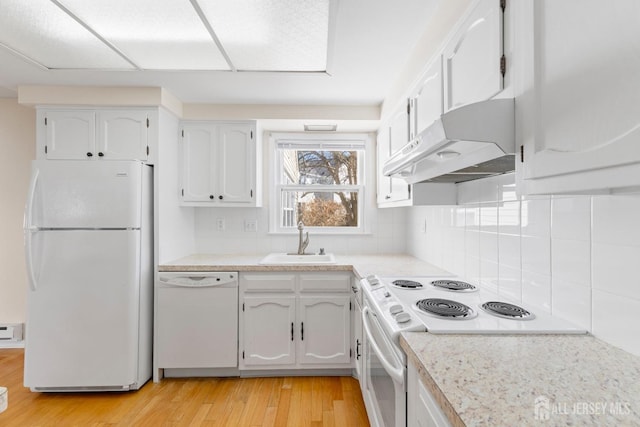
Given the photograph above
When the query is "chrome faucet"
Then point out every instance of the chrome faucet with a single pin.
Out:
(302, 244)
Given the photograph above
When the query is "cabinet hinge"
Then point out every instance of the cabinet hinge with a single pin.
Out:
(251, 194)
(147, 122)
(147, 150)
(409, 190)
(45, 149)
(182, 191)
(251, 134)
(503, 65)
(243, 355)
(408, 106)
(503, 5)
(349, 305)
(242, 306)
(183, 133)
(45, 121)
(350, 353)
(522, 154)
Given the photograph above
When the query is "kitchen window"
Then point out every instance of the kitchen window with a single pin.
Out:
(319, 180)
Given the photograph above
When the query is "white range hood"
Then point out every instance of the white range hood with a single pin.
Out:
(471, 142)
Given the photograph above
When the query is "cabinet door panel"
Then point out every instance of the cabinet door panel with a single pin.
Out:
(428, 98)
(235, 165)
(70, 134)
(472, 57)
(122, 135)
(324, 330)
(267, 331)
(197, 156)
(587, 108)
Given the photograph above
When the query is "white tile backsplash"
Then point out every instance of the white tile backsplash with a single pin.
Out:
(616, 269)
(571, 302)
(573, 256)
(616, 219)
(616, 319)
(571, 218)
(571, 261)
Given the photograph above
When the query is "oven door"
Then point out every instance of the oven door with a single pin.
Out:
(385, 391)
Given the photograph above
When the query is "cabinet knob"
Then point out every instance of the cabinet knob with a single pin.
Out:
(220, 197)
(387, 197)
(100, 154)
(89, 154)
(211, 197)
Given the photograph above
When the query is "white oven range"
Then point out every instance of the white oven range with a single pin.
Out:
(393, 305)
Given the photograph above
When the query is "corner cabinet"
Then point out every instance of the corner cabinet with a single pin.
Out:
(295, 321)
(582, 124)
(101, 134)
(218, 164)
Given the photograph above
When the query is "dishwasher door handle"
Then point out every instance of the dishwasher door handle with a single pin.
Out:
(198, 281)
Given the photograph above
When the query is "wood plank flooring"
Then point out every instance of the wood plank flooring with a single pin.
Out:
(281, 401)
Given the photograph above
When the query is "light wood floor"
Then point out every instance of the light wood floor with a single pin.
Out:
(289, 401)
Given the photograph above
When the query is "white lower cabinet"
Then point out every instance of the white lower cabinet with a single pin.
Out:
(268, 324)
(422, 408)
(295, 321)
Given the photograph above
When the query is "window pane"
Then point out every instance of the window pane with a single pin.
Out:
(320, 167)
(320, 208)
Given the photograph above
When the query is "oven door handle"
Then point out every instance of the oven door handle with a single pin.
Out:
(396, 373)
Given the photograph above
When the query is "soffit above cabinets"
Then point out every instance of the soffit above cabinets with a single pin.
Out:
(208, 35)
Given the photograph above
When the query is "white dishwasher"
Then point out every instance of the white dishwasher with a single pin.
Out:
(197, 320)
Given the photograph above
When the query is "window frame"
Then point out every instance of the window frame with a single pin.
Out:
(316, 142)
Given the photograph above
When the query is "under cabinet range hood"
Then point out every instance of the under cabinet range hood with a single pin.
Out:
(471, 142)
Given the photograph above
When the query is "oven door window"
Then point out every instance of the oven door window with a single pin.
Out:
(387, 394)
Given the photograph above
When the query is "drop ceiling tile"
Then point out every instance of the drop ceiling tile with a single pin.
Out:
(42, 32)
(154, 34)
(272, 35)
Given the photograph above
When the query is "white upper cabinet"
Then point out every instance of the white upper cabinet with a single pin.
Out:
(582, 130)
(426, 102)
(472, 59)
(69, 135)
(391, 191)
(94, 134)
(218, 164)
(123, 134)
(399, 132)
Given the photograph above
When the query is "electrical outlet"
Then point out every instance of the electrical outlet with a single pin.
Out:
(220, 226)
(251, 225)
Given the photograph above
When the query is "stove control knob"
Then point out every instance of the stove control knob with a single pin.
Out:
(395, 309)
(402, 317)
(373, 280)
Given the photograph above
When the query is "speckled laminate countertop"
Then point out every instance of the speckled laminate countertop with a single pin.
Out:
(528, 380)
(361, 265)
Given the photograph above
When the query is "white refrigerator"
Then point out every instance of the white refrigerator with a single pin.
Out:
(89, 253)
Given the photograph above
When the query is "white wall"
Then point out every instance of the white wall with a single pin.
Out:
(576, 257)
(17, 149)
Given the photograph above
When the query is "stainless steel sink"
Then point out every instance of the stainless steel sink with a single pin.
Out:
(295, 259)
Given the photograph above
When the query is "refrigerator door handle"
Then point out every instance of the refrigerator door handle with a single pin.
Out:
(29, 258)
(28, 214)
(29, 230)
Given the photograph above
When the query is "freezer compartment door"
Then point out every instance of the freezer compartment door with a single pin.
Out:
(83, 317)
(85, 194)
